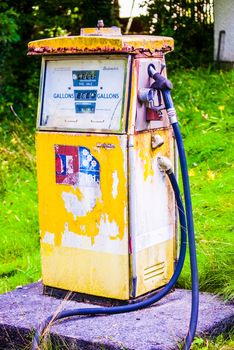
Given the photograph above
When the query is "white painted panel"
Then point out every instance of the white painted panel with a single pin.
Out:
(152, 213)
(149, 239)
(153, 222)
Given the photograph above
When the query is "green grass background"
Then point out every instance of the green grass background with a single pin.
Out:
(204, 100)
(205, 105)
(19, 238)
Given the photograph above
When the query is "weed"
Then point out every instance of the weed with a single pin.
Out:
(222, 342)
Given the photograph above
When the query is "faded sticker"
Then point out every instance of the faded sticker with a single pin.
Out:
(71, 162)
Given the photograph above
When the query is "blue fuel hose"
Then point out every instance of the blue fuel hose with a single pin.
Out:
(163, 85)
(132, 307)
(191, 239)
(189, 216)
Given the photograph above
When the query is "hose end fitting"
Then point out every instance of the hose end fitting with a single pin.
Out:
(165, 164)
(171, 112)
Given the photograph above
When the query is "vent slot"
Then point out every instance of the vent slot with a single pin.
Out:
(154, 271)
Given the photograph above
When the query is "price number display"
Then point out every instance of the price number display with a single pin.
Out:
(85, 77)
(85, 95)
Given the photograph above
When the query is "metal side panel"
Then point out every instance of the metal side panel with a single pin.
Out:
(144, 81)
(82, 182)
(152, 214)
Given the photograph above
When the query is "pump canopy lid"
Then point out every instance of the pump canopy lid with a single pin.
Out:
(102, 40)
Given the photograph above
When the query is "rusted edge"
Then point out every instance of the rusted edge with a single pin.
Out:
(46, 50)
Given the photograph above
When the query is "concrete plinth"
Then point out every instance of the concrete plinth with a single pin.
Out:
(159, 327)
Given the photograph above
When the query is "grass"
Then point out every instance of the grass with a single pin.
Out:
(205, 105)
(222, 342)
(19, 239)
(204, 102)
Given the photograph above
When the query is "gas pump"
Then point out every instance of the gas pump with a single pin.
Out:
(105, 146)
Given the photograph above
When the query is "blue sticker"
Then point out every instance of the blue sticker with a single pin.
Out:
(85, 107)
(89, 164)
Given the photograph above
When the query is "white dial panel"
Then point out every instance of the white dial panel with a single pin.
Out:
(83, 94)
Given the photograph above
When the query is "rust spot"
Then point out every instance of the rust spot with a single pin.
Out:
(105, 145)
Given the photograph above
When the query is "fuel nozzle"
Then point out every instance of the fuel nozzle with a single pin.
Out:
(161, 83)
(160, 87)
(150, 95)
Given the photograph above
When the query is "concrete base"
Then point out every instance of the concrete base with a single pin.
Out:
(159, 327)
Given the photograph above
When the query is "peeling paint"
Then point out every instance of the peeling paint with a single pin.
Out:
(84, 202)
(107, 240)
(108, 228)
(115, 184)
(75, 240)
(48, 238)
(69, 198)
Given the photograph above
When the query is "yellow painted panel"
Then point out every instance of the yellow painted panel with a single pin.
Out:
(85, 271)
(103, 31)
(147, 154)
(83, 218)
(155, 266)
(81, 44)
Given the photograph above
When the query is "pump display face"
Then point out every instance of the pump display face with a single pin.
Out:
(83, 94)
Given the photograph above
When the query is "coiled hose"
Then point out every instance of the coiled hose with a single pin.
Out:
(132, 307)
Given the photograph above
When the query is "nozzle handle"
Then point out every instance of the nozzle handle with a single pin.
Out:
(161, 83)
(151, 70)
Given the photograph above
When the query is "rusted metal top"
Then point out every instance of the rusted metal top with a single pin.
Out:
(94, 43)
